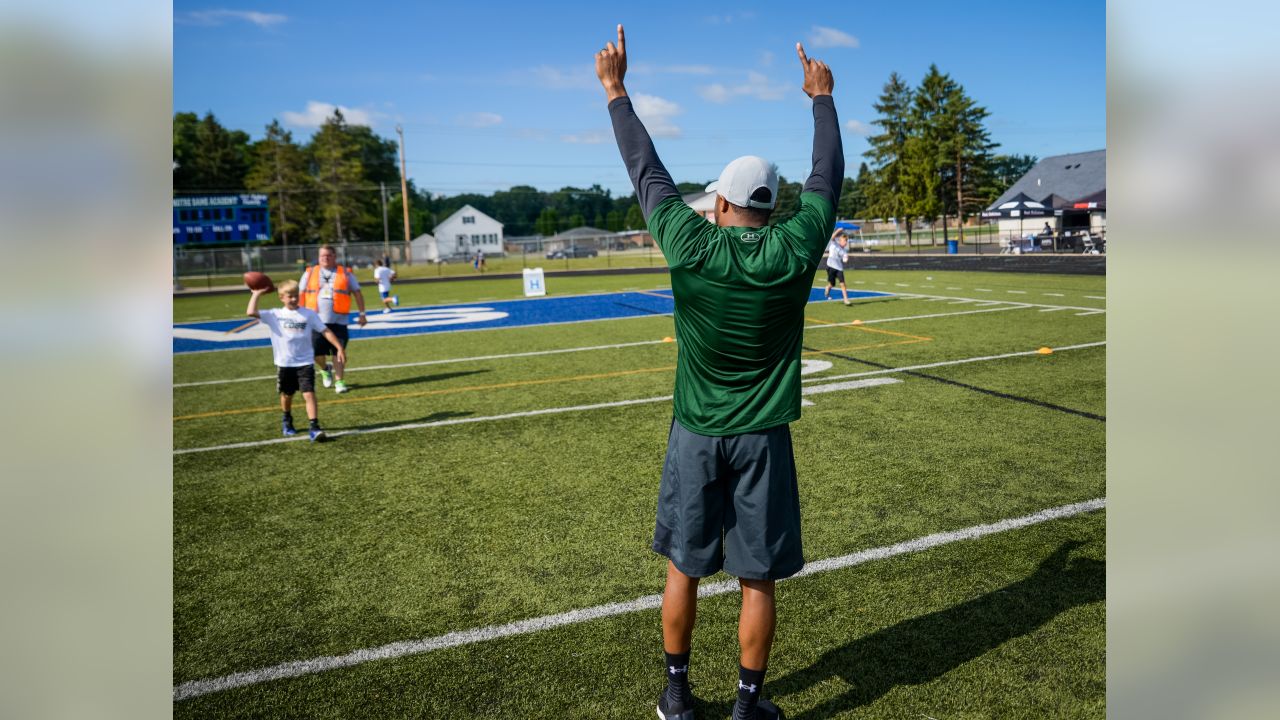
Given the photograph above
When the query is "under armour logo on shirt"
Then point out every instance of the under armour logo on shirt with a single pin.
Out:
(749, 688)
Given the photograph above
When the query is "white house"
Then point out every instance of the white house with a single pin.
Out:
(424, 248)
(466, 231)
(703, 203)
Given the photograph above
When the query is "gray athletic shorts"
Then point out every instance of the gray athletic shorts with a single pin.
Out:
(730, 503)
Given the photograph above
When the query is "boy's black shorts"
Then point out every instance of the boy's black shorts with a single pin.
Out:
(834, 275)
(322, 346)
(290, 380)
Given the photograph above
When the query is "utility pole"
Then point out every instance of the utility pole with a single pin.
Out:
(404, 200)
(386, 234)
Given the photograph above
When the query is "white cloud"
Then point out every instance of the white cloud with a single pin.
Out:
(213, 18)
(591, 137)
(317, 112)
(825, 37)
(656, 114)
(858, 128)
(580, 77)
(766, 59)
(757, 86)
(478, 119)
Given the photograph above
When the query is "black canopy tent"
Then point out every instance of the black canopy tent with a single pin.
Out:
(1019, 206)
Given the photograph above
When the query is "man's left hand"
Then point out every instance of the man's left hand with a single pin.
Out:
(362, 320)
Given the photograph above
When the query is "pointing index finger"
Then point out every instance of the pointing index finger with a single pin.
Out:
(622, 40)
(804, 59)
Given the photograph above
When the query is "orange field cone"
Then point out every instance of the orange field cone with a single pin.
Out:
(668, 339)
(857, 322)
(1045, 351)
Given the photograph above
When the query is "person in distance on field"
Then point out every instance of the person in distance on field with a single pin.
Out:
(837, 256)
(291, 327)
(383, 275)
(728, 497)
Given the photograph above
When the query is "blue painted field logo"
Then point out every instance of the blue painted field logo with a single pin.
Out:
(391, 324)
(751, 237)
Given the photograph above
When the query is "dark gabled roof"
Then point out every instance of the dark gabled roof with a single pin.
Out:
(1068, 176)
(585, 231)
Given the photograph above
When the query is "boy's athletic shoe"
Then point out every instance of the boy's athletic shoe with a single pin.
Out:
(339, 386)
(317, 434)
(386, 310)
(846, 302)
(288, 428)
(395, 300)
(326, 377)
(765, 710)
(676, 711)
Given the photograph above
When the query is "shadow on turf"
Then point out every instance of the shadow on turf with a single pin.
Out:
(433, 417)
(924, 648)
(420, 379)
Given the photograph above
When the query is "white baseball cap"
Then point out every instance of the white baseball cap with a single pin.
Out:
(743, 177)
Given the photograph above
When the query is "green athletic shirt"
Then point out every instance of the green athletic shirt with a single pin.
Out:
(740, 295)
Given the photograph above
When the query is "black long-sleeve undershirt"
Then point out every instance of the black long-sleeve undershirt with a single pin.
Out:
(653, 183)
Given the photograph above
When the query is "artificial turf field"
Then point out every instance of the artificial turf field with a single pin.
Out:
(289, 551)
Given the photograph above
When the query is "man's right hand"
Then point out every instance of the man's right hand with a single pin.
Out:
(611, 66)
(817, 76)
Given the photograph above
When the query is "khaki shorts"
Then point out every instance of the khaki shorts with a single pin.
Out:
(730, 503)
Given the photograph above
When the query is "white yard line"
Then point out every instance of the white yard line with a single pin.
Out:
(1091, 312)
(444, 361)
(1096, 297)
(297, 668)
(1054, 309)
(437, 423)
(847, 385)
(1017, 292)
(597, 406)
(1023, 303)
(944, 363)
(1054, 294)
(477, 358)
(983, 290)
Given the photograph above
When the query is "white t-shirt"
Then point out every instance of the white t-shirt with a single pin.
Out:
(836, 255)
(324, 304)
(383, 276)
(291, 335)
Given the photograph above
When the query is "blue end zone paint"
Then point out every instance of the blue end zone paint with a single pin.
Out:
(205, 336)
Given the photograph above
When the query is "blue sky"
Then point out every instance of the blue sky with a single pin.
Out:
(492, 95)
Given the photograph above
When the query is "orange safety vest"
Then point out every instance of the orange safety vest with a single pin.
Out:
(341, 293)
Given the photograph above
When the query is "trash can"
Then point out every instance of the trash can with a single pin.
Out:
(953, 247)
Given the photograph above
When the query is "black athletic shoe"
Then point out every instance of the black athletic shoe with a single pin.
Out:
(678, 711)
(766, 710)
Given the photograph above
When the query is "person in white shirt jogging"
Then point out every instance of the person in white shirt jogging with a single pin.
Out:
(837, 256)
(383, 274)
(291, 348)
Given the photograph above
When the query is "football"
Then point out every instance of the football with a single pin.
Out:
(258, 281)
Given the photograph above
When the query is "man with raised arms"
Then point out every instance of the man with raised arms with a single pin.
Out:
(729, 498)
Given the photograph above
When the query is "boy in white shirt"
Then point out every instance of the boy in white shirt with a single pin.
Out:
(384, 275)
(291, 327)
(837, 256)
